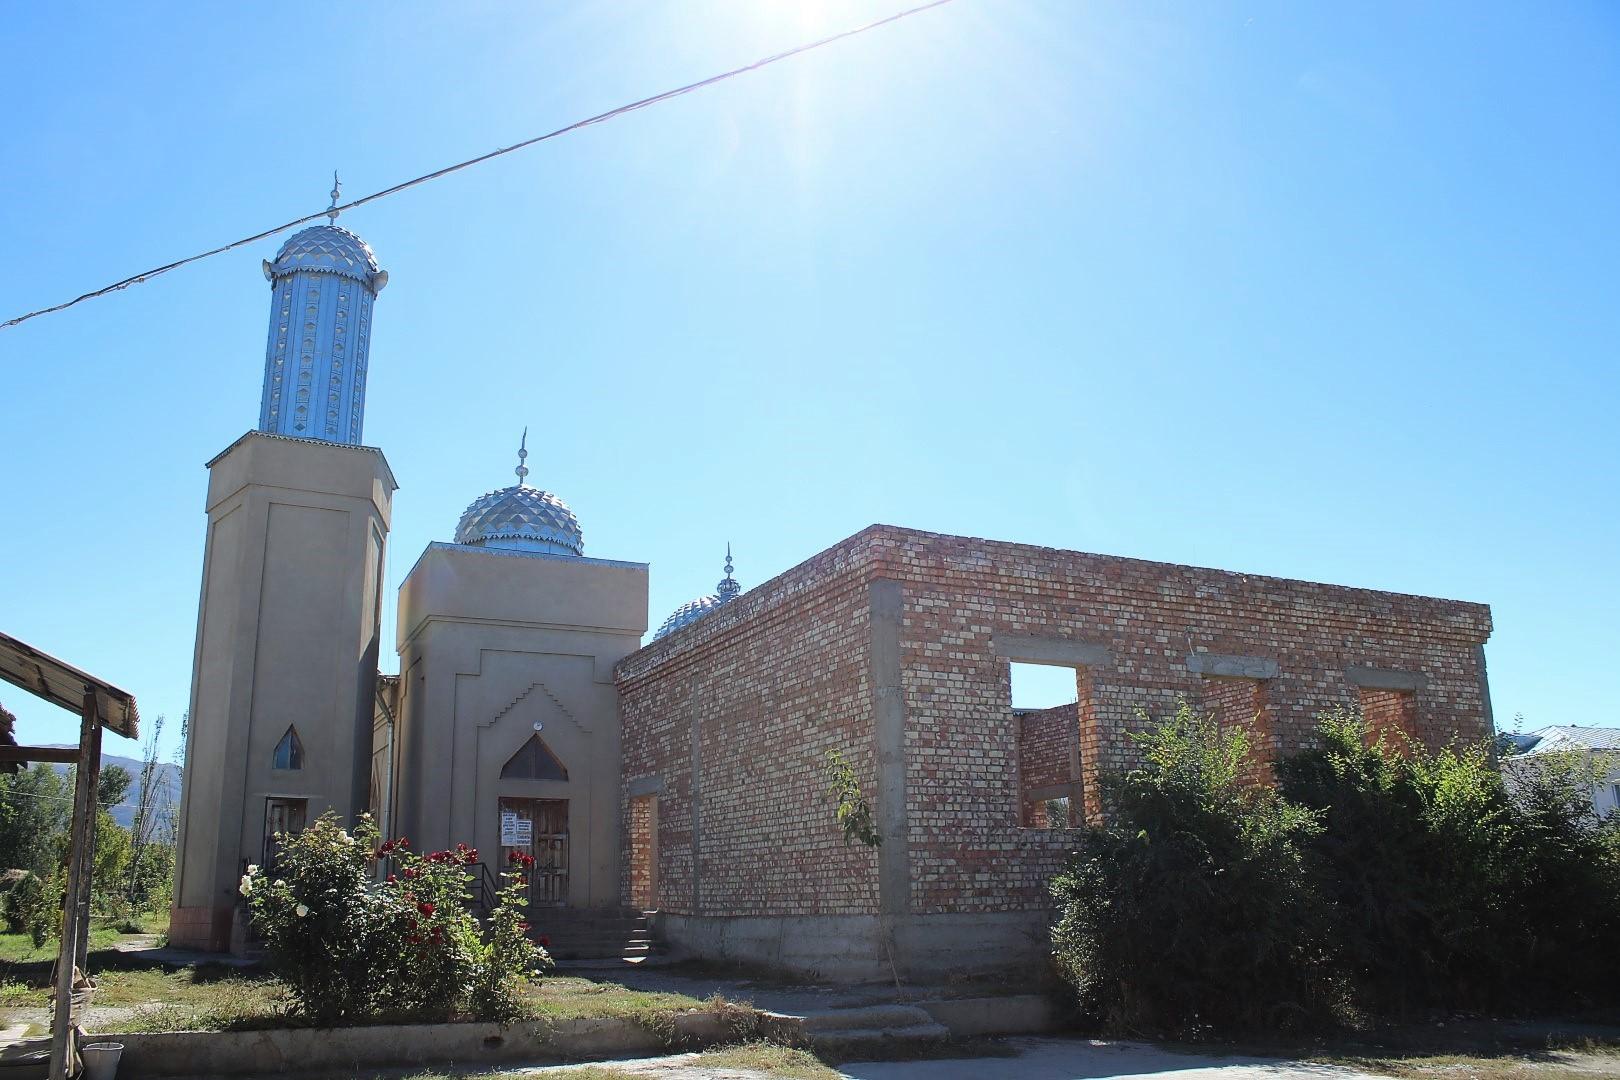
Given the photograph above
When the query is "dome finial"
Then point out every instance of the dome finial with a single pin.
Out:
(728, 589)
(337, 187)
(522, 470)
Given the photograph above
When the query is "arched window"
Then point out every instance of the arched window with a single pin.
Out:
(534, 761)
(289, 752)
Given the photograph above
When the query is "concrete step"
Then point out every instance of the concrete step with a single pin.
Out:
(878, 1043)
(870, 1016)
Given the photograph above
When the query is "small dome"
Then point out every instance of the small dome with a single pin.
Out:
(328, 249)
(693, 610)
(521, 518)
(524, 518)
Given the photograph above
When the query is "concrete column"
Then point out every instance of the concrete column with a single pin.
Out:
(889, 723)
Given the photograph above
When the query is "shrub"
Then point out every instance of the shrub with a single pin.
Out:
(1448, 891)
(1194, 911)
(352, 948)
(31, 907)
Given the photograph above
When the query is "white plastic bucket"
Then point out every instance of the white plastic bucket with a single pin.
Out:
(101, 1059)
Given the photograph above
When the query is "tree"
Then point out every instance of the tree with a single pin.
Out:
(151, 859)
(112, 786)
(38, 802)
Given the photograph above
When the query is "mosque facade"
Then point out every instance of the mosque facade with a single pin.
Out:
(688, 777)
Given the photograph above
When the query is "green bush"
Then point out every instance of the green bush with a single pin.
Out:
(1448, 890)
(355, 949)
(1194, 911)
(32, 907)
(1380, 880)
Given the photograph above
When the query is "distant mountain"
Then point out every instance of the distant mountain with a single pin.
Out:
(166, 778)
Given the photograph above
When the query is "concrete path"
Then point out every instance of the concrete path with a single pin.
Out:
(1093, 1059)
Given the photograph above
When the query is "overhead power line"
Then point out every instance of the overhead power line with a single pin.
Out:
(147, 275)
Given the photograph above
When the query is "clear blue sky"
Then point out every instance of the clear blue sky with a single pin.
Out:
(1314, 291)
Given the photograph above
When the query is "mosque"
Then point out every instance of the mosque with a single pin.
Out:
(687, 778)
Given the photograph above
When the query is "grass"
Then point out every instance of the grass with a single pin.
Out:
(569, 998)
(766, 1059)
(1551, 1065)
(19, 948)
(192, 999)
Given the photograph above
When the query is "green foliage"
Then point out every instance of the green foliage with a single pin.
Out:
(112, 785)
(1448, 889)
(355, 949)
(1379, 880)
(31, 907)
(38, 802)
(853, 813)
(1194, 913)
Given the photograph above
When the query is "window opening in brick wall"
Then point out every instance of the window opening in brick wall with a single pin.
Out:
(1235, 702)
(1391, 713)
(1045, 704)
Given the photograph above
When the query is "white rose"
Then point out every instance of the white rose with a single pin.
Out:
(246, 886)
(302, 910)
(253, 868)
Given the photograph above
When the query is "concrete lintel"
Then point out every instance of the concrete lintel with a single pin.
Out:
(1058, 652)
(1232, 667)
(645, 785)
(1385, 679)
(1052, 791)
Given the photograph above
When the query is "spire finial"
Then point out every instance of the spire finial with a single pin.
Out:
(728, 588)
(522, 470)
(337, 188)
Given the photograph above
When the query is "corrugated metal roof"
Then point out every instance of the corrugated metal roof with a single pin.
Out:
(62, 684)
(1567, 737)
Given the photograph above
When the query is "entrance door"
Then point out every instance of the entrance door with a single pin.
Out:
(539, 828)
(284, 817)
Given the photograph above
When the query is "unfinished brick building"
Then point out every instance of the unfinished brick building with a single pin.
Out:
(893, 647)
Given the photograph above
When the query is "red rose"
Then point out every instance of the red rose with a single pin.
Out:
(470, 855)
(409, 873)
(392, 879)
(523, 926)
(545, 942)
(425, 908)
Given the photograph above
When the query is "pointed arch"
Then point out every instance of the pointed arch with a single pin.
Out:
(289, 752)
(534, 760)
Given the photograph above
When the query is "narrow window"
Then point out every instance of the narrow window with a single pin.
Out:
(289, 752)
(534, 761)
(1045, 704)
(283, 818)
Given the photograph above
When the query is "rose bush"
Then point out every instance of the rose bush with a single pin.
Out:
(355, 949)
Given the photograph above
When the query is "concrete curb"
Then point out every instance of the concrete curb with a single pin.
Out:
(223, 1053)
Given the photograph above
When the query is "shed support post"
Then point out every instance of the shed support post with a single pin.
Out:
(78, 883)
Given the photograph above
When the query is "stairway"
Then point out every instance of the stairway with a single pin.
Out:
(878, 1031)
(595, 933)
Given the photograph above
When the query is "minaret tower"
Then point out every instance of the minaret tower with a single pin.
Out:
(323, 283)
(284, 677)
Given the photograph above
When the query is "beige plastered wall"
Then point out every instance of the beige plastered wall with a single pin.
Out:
(491, 643)
(287, 634)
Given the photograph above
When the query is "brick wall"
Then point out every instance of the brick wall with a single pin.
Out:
(1236, 702)
(1391, 711)
(780, 675)
(771, 682)
(639, 836)
(1048, 750)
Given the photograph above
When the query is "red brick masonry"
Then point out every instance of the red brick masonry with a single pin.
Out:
(733, 715)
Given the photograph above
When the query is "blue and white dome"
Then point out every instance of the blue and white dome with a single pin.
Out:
(328, 249)
(521, 518)
(693, 610)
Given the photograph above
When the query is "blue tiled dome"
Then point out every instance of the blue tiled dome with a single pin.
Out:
(327, 249)
(521, 517)
(693, 610)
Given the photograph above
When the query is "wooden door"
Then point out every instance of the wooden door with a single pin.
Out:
(539, 828)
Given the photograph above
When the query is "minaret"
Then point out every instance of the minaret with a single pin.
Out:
(284, 678)
(323, 283)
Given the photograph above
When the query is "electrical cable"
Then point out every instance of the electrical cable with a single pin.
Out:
(147, 275)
